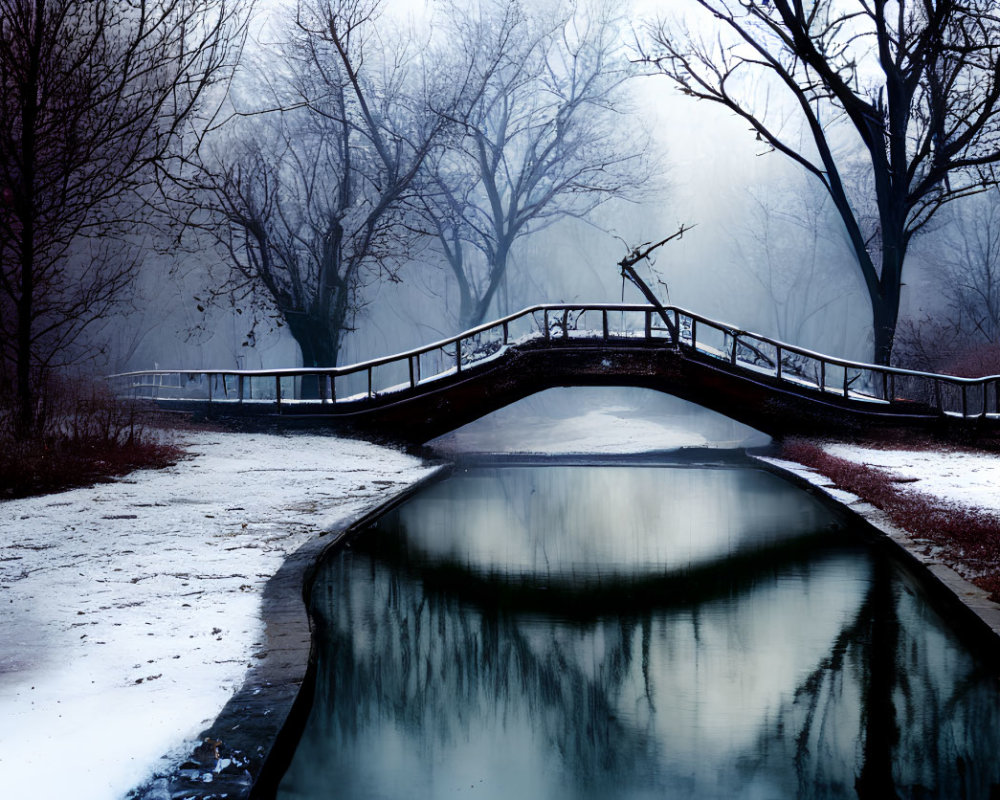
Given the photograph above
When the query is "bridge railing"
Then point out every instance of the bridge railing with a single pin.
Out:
(796, 367)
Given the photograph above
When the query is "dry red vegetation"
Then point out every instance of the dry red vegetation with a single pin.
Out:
(967, 539)
(88, 436)
(39, 467)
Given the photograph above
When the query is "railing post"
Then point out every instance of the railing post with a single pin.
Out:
(777, 361)
(732, 355)
(694, 328)
(892, 387)
(822, 376)
(209, 376)
(506, 332)
(649, 324)
(885, 386)
(545, 323)
(277, 391)
(458, 355)
(677, 328)
(565, 323)
(321, 383)
(937, 396)
(965, 401)
(333, 386)
(413, 381)
(239, 387)
(371, 389)
(604, 323)
(846, 384)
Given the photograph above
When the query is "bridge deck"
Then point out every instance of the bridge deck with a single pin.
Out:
(775, 387)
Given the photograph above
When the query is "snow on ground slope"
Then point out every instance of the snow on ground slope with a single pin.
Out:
(129, 610)
(602, 420)
(964, 479)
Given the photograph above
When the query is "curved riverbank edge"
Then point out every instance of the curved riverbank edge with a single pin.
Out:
(258, 729)
(976, 613)
(251, 741)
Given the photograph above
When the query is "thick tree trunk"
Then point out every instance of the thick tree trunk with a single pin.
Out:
(319, 344)
(885, 305)
(498, 268)
(884, 317)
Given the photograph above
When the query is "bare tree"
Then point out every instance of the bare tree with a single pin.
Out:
(916, 83)
(959, 332)
(788, 241)
(96, 96)
(546, 139)
(307, 194)
(970, 268)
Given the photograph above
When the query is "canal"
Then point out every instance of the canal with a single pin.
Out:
(635, 631)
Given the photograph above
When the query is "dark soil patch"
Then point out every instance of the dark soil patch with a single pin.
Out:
(967, 539)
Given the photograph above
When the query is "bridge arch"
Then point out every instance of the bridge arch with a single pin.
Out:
(769, 385)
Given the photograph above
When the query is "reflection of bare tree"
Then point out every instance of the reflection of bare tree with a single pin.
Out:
(426, 660)
(927, 715)
(437, 656)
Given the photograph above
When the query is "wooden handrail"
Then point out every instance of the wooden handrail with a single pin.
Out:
(739, 338)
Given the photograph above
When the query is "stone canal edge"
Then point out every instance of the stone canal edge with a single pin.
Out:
(979, 614)
(257, 731)
(245, 750)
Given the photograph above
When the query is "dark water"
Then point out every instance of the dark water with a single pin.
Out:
(635, 632)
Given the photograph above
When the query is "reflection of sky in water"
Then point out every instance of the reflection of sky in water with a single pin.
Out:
(764, 687)
(598, 419)
(602, 520)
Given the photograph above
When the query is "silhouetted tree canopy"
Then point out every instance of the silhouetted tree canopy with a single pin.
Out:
(96, 99)
(905, 94)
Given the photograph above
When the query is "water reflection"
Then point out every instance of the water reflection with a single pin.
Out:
(739, 646)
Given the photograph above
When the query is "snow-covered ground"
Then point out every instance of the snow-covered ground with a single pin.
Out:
(964, 479)
(129, 612)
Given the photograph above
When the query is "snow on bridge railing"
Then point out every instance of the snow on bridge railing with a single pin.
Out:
(796, 367)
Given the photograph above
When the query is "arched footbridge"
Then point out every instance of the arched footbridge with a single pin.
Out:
(414, 396)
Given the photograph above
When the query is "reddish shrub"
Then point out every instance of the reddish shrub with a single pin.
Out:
(86, 436)
(976, 362)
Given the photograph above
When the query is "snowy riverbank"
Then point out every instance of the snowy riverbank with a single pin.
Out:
(129, 611)
(940, 503)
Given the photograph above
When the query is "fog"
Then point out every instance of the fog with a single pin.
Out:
(766, 253)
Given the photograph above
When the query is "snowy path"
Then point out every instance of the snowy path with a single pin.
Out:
(129, 611)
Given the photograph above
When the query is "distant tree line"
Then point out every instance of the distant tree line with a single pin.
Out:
(317, 162)
(356, 140)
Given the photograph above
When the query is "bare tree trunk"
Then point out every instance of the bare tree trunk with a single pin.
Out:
(319, 343)
(885, 313)
(26, 213)
(885, 302)
(498, 268)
